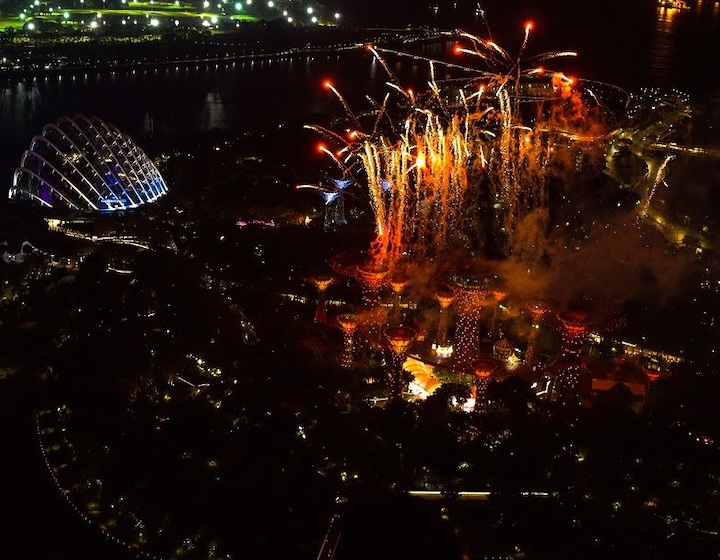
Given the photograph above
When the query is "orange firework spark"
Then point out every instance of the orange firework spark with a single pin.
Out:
(452, 150)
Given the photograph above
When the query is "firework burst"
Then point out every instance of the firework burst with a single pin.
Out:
(457, 164)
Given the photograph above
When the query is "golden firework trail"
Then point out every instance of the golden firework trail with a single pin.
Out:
(443, 160)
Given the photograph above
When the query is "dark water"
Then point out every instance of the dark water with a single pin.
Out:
(628, 42)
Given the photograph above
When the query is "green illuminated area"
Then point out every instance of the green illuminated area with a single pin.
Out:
(12, 22)
(42, 16)
(154, 16)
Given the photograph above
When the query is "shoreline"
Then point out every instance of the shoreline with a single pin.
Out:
(59, 58)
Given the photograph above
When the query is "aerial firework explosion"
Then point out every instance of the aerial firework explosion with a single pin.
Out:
(458, 166)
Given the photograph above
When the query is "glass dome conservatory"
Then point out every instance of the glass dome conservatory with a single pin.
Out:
(86, 164)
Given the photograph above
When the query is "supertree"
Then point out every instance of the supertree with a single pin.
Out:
(398, 284)
(483, 371)
(322, 283)
(348, 323)
(537, 309)
(442, 346)
(574, 333)
(470, 296)
(398, 340)
(334, 197)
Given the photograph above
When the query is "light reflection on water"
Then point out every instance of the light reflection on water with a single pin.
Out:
(663, 47)
(683, 42)
(179, 100)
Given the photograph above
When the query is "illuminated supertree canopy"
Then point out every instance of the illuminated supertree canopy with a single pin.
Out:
(86, 164)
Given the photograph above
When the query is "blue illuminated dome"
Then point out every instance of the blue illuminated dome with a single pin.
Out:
(86, 164)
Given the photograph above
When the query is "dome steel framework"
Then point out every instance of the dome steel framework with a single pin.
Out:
(86, 164)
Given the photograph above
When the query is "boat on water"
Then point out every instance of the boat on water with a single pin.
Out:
(673, 4)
